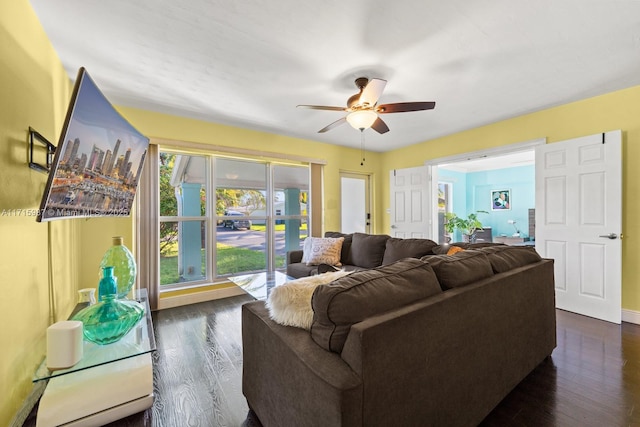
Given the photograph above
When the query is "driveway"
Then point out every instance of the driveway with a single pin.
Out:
(249, 239)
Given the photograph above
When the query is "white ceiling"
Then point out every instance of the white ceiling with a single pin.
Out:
(249, 63)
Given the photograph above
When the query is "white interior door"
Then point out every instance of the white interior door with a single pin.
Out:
(579, 222)
(355, 207)
(410, 207)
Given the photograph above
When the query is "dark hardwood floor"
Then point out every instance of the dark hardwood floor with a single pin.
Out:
(592, 378)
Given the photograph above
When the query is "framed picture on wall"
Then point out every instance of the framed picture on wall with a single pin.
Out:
(500, 200)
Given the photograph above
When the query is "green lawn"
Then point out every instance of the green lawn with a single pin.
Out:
(230, 260)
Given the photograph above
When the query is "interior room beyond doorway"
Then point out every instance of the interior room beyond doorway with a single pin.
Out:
(499, 188)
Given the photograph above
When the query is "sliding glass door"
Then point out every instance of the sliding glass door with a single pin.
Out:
(222, 216)
(241, 212)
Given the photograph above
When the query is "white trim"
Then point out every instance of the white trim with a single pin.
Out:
(113, 414)
(206, 148)
(631, 316)
(196, 297)
(503, 149)
(29, 403)
(366, 177)
(147, 240)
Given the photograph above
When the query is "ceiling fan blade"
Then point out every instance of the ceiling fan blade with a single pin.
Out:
(322, 107)
(380, 126)
(403, 107)
(333, 125)
(372, 92)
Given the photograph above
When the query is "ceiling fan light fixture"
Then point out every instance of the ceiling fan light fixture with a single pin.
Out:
(362, 119)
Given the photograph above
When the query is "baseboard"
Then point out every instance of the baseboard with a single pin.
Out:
(631, 316)
(196, 297)
(28, 404)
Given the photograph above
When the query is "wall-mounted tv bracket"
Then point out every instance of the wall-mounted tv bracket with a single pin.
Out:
(35, 136)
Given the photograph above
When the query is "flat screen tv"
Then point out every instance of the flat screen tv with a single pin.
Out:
(98, 160)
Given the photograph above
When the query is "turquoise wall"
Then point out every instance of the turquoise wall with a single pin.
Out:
(475, 188)
(458, 181)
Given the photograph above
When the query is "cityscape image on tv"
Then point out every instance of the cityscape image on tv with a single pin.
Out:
(97, 172)
(100, 182)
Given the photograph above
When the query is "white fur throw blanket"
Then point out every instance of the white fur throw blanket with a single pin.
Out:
(290, 304)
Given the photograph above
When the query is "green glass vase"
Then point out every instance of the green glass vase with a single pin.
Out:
(108, 283)
(110, 319)
(121, 259)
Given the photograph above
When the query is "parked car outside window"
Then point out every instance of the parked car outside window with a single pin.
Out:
(236, 224)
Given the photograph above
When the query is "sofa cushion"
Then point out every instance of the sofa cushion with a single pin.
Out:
(505, 258)
(345, 254)
(397, 249)
(363, 294)
(322, 250)
(367, 250)
(301, 269)
(444, 249)
(460, 269)
(290, 304)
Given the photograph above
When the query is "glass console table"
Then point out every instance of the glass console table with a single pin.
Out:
(259, 285)
(139, 340)
(110, 381)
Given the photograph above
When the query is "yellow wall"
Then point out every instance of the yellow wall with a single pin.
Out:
(162, 126)
(617, 110)
(34, 91)
(338, 158)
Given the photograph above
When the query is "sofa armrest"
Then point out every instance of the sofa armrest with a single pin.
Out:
(294, 257)
(289, 380)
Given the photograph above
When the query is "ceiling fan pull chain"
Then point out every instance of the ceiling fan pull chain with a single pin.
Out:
(362, 146)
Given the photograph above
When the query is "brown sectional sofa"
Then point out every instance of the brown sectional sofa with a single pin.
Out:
(433, 342)
(364, 251)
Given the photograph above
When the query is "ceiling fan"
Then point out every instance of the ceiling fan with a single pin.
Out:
(363, 107)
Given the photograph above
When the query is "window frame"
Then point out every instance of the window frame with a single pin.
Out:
(211, 217)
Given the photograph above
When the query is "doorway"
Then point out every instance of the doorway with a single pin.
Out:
(355, 203)
(576, 211)
(477, 185)
(508, 168)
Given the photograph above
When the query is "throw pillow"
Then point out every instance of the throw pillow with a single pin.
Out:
(397, 249)
(345, 255)
(290, 304)
(322, 250)
(454, 250)
(306, 249)
(443, 249)
(367, 250)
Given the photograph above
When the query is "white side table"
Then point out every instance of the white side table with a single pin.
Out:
(110, 382)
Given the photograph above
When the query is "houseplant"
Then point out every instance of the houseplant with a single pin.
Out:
(468, 226)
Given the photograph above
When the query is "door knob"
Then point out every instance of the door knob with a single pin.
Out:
(393, 226)
(611, 236)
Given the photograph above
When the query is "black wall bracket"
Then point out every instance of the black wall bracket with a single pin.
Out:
(35, 136)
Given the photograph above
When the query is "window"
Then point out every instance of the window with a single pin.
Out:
(290, 200)
(241, 209)
(183, 218)
(222, 216)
